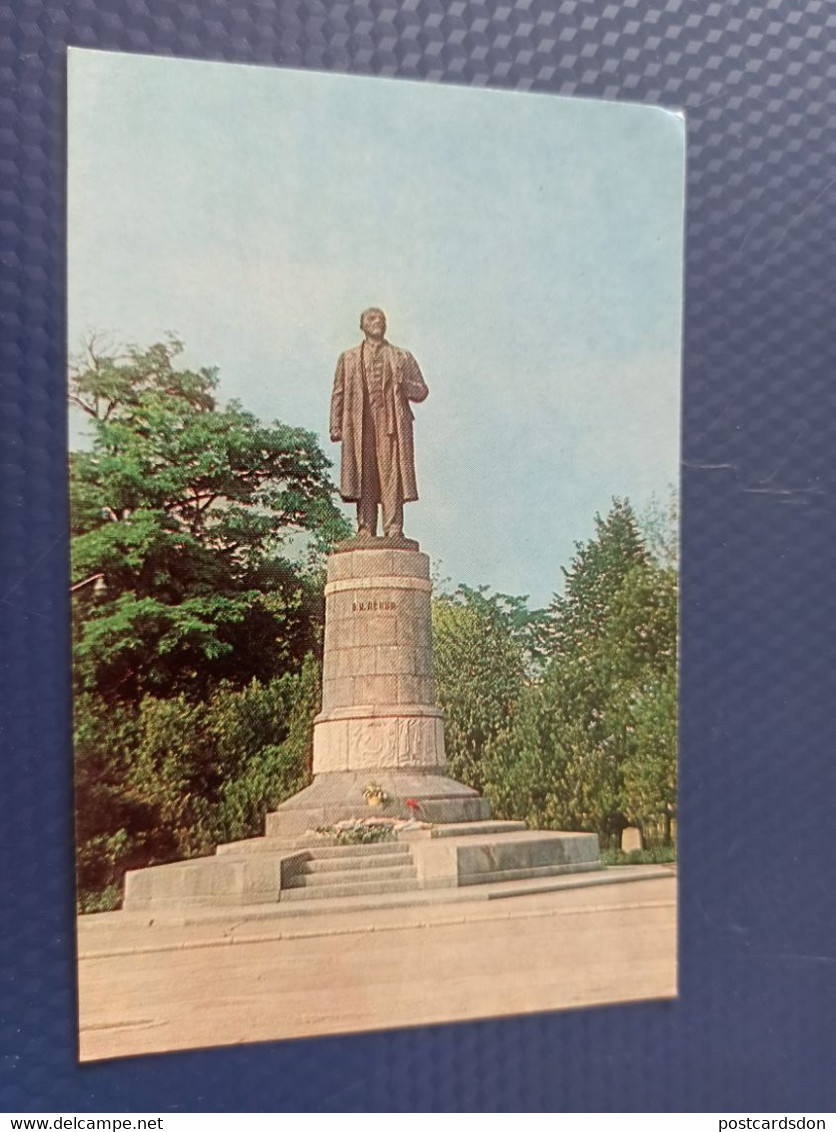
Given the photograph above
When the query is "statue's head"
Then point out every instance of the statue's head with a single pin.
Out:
(373, 322)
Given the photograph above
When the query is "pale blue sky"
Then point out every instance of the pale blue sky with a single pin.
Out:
(526, 248)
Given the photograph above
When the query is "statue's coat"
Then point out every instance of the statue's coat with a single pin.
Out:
(402, 383)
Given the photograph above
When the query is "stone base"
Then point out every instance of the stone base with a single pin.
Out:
(273, 869)
(376, 542)
(338, 797)
(464, 855)
(231, 880)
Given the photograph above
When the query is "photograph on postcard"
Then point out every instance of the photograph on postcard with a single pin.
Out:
(374, 462)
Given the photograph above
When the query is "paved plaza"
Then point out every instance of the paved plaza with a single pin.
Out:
(223, 977)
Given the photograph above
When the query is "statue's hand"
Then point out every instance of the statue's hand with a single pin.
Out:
(336, 437)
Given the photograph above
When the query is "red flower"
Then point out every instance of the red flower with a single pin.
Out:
(413, 804)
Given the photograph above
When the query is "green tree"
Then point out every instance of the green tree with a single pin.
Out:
(594, 579)
(110, 823)
(649, 790)
(187, 508)
(271, 772)
(660, 528)
(484, 644)
(593, 743)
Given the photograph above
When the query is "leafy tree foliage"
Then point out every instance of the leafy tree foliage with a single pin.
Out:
(185, 507)
(660, 528)
(593, 743)
(484, 645)
(649, 791)
(193, 692)
(593, 581)
(175, 777)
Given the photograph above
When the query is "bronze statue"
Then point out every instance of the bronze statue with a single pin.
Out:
(370, 414)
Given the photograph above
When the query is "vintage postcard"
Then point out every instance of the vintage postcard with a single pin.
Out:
(374, 454)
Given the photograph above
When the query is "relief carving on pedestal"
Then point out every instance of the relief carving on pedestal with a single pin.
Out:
(376, 744)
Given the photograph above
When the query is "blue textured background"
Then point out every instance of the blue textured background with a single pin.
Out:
(755, 1025)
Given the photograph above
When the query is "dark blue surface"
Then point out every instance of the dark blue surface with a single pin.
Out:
(755, 1025)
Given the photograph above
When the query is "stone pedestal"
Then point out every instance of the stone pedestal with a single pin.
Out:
(378, 690)
(379, 721)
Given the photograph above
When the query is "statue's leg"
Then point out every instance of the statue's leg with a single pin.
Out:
(366, 517)
(370, 480)
(393, 516)
(391, 496)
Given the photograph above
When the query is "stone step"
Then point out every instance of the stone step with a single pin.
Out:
(370, 849)
(307, 844)
(357, 888)
(258, 845)
(301, 878)
(356, 864)
(472, 828)
(532, 873)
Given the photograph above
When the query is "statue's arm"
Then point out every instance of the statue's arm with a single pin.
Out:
(414, 385)
(337, 401)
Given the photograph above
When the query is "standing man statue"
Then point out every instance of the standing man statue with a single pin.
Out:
(370, 414)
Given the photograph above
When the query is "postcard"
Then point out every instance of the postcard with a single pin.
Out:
(374, 457)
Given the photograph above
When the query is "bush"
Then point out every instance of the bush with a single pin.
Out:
(655, 855)
(174, 778)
